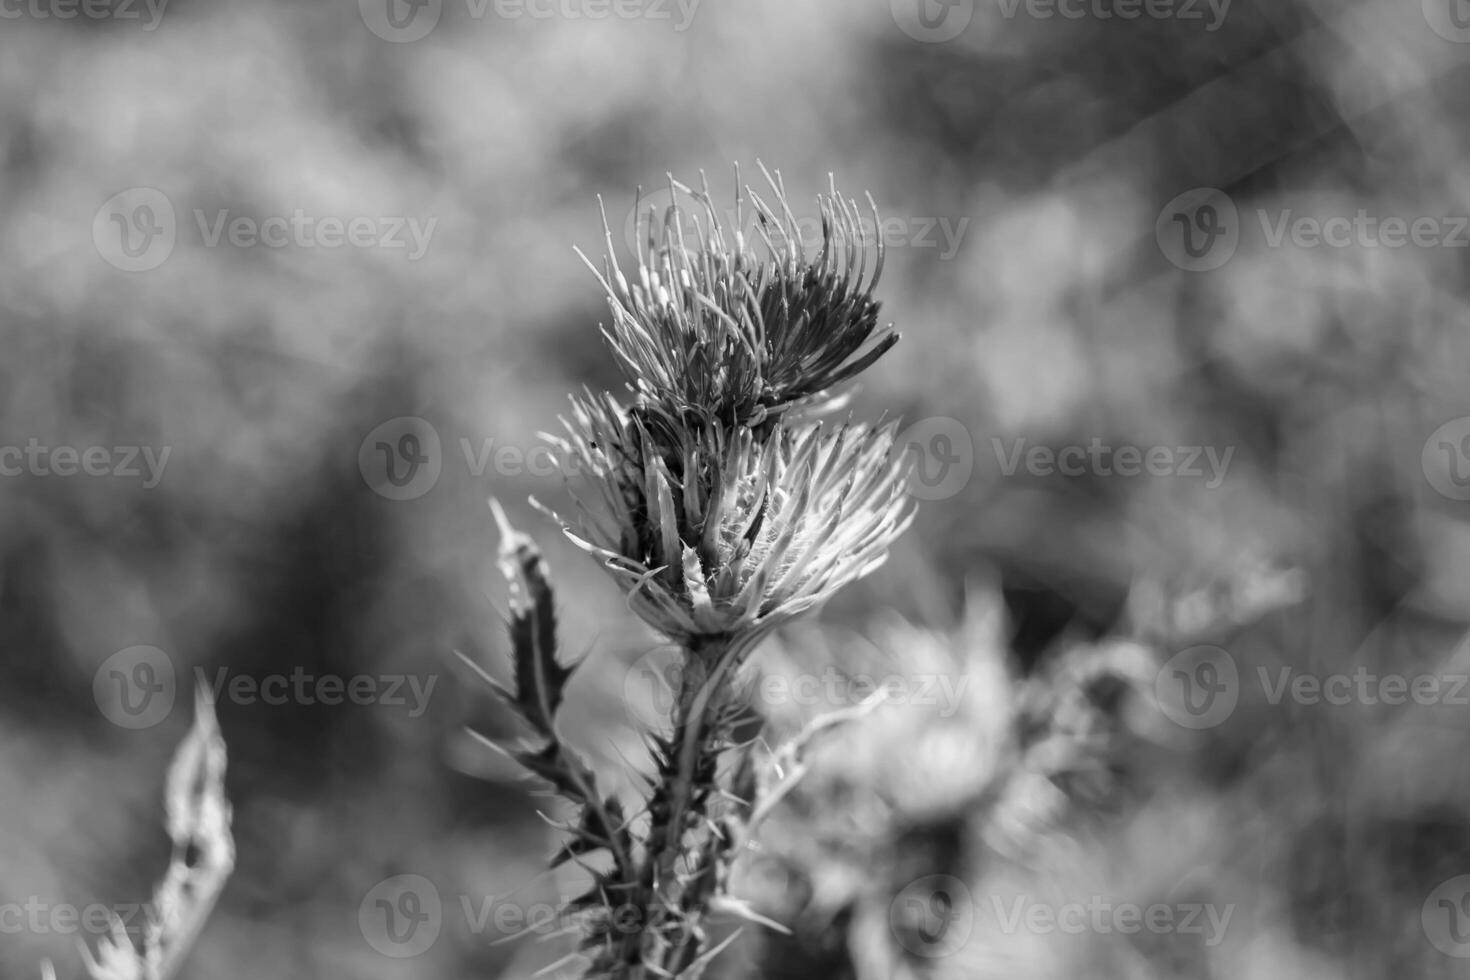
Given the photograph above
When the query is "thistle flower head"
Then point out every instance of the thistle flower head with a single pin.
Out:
(717, 510)
(723, 532)
(724, 328)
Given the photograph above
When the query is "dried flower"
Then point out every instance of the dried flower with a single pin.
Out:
(715, 532)
(716, 329)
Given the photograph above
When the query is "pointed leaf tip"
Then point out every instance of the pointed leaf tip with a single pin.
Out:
(502, 523)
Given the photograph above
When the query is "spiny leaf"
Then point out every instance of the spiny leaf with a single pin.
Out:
(557, 767)
(198, 822)
(539, 677)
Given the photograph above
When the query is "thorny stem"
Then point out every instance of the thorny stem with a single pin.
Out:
(701, 696)
(721, 518)
(705, 681)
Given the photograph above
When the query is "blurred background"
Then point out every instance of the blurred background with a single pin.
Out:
(289, 289)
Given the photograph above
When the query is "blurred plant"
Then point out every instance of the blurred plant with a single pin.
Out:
(722, 512)
(1017, 775)
(198, 822)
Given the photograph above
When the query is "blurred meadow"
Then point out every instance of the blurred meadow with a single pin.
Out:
(258, 252)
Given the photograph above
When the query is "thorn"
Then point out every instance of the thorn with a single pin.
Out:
(741, 909)
(559, 963)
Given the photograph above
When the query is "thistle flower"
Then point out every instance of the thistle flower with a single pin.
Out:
(721, 516)
(715, 532)
(718, 330)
